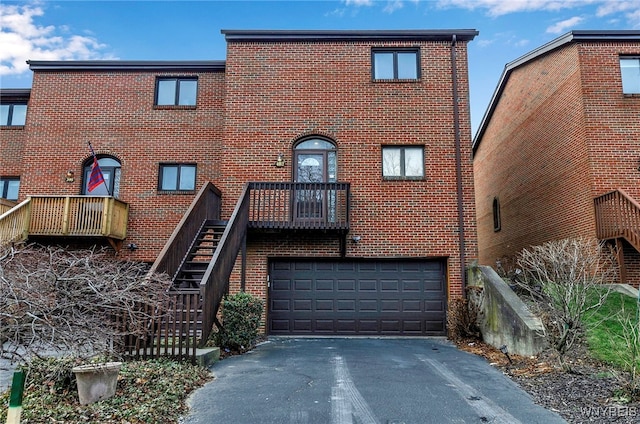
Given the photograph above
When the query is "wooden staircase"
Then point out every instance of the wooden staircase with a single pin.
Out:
(618, 216)
(185, 321)
(195, 263)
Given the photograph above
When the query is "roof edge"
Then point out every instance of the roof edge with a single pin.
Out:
(126, 65)
(569, 37)
(15, 92)
(349, 35)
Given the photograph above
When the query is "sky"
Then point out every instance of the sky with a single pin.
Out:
(190, 30)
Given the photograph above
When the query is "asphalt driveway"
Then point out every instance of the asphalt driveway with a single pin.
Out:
(361, 381)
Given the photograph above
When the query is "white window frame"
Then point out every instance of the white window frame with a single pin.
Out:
(630, 75)
(397, 164)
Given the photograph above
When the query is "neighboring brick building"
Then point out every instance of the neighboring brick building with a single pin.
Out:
(371, 112)
(562, 130)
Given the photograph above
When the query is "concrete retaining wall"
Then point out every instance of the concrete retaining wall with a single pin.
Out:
(505, 319)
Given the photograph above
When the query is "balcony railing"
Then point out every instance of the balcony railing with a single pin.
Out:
(299, 206)
(65, 216)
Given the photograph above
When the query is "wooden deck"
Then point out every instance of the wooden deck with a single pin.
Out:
(52, 216)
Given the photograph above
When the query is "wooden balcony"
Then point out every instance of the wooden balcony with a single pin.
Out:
(70, 216)
(299, 206)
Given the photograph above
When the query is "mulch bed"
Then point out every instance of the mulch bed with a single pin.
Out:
(590, 393)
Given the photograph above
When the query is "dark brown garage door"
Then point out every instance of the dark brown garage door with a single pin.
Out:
(400, 297)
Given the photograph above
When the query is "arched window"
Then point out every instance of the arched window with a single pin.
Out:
(315, 161)
(497, 224)
(110, 168)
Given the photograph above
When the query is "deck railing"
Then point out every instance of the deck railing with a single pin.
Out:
(320, 206)
(65, 216)
(618, 216)
(78, 216)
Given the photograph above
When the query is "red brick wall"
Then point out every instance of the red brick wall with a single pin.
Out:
(115, 112)
(533, 159)
(268, 97)
(612, 119)
(561, 134)
(278, 92)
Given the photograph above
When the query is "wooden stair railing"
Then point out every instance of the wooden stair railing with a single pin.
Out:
(618, 216)
(178, 332)
(5, 205)
(205, 206)
(14, 223)
(215, 280)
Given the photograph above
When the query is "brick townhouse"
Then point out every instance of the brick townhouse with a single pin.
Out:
(557, 153)
(332, 169)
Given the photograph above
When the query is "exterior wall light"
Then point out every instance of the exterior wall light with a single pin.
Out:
(70, 177)
(280, 161)
(356, 239)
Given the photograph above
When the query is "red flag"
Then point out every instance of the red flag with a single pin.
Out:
(96, 178)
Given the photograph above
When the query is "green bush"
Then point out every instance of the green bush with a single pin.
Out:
(241, 313)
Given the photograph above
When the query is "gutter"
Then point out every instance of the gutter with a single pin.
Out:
(456, 127)
(127, 65)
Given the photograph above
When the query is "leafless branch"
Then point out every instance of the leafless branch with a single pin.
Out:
(80, 302)
(566, 279)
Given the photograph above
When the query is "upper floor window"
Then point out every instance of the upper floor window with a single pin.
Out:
(177, 177)
(13, 114)
(9, 187)
(630, 71)
(402, 162)
(395, 64)
(176, 91)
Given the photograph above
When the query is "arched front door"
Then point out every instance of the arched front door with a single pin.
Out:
(315, 162)
(110, 168)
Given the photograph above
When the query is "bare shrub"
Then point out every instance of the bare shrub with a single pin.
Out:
(463, 315)
(561, 278)
(77, 302)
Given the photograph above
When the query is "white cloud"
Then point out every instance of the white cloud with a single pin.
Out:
(563, 26)
(503, 7)
(630, 9)
(21, 39)
(358, 2)
(393, 5)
